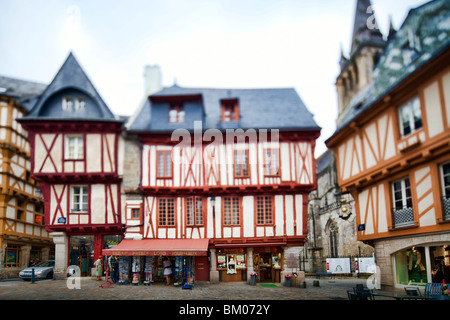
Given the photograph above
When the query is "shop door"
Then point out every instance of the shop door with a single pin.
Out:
(201, 269)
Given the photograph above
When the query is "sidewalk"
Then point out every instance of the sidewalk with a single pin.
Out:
(329, 289)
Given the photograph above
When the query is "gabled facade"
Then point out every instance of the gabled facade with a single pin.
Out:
(392, 150)
(75, 142)
(229, 170)
(22, 235)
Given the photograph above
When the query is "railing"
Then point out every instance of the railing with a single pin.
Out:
(446, 208)
(403, 217)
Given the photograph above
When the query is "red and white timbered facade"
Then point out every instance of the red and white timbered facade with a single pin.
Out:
(244, 190)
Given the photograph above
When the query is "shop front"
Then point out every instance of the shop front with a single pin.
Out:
(84, 249)
(419, 265)
(235, 264)
(143, 261)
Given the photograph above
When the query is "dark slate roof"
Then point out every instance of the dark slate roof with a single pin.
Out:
(431, 25)
(25, 92)
(71, 80)
(258, 108)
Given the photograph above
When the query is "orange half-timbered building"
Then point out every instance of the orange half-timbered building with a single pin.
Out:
(23, 238)
(392, 148)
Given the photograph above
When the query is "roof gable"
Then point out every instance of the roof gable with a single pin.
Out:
(71, 81)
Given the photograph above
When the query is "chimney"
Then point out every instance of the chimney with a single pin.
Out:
(152, 79)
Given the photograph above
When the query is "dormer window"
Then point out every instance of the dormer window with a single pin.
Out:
(230, 110)
(176, 113)
(67, 103)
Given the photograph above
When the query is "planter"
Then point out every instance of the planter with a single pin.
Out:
(252, 281)
(287, 282)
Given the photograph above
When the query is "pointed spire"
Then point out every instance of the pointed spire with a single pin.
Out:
(365, 28)
(343, 60)
(392, 30)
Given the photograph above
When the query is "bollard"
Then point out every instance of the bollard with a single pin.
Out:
(32, 275)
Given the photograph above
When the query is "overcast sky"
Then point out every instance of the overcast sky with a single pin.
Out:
(197, 43)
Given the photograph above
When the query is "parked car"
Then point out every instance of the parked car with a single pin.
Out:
(43, 270)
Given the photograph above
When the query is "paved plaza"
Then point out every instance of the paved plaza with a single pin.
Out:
(90, 289)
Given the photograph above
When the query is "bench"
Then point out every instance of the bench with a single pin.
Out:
(325, 274)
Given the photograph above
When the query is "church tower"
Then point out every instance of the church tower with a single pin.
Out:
(366, 47)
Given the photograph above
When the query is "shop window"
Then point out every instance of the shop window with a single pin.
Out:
(176, 113)
(164, 164)
(166, 212)
(410, 117)
(194, 211)
(81, 253)
(445, 180)
(241, 164)
(264, 210)
(272, 162)
(79, 199)
(411, 266)
(231, 211)
(74, 147)
(403, 214)
(12, 257)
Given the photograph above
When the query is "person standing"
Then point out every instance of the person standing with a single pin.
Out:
(167, 270)
(98, 268)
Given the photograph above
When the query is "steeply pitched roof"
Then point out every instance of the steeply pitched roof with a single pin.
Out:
(258, 108)
(425, 33)
(365, 27)
(71, 80)
(22, 90)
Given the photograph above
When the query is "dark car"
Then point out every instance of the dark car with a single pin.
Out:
(43, 270)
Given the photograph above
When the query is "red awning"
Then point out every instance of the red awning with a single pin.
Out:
(160, 247)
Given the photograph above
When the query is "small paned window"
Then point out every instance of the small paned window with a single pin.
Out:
(164, 164)
(194, 211)
(241, 164)
(79, 199)
(272, 162)
(264, 210)
(231, 211)
(166, 212)
(74, 147)
(230, 110)
(176, 113)
(410, 117)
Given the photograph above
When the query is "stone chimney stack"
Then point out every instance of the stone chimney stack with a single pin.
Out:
(152, 79)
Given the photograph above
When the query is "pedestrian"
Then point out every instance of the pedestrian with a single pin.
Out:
(98, 268)
(114, 268)
(437, 275)
(167, 270)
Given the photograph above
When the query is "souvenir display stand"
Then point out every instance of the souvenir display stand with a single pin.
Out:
(148, 271)
(124, 267)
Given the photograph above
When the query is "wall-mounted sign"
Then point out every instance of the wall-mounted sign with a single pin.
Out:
(62, 220)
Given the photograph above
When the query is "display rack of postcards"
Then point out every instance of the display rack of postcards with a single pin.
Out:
(124, 265)
(136, 267)
(179, 273)
(148, 270)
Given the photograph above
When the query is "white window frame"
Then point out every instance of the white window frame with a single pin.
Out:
(404, 199)
(82, 204)
(410, 109)
(78, 147)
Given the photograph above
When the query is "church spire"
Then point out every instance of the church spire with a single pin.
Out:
(365, 28)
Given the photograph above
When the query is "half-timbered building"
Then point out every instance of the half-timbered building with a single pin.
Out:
(23, 238)
(75, 141)
(225, 177)
(392, 147)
